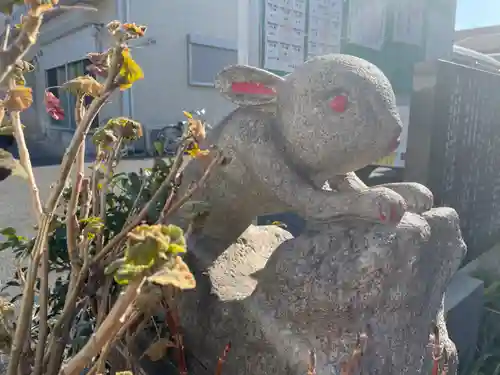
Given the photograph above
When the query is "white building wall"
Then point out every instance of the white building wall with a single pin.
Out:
(64, 39)
(164, 93)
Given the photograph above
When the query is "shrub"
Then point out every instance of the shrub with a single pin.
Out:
(105, 236)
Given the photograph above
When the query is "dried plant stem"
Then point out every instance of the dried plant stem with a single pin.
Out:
(37, 206)
(60, 333)
(103, 303)
(109, 328)
(24, 158)
(43, 314)
(71, 218)
(6, 35)
(142, 214)
(24, 319)
(72, 208)
(86, 199)
(217, 160)
(26, 38)
(99, 366)
(109, 170)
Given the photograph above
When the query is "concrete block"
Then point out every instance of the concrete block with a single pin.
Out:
(464, 307)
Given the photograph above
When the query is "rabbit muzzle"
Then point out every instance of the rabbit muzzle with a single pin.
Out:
(395, 141)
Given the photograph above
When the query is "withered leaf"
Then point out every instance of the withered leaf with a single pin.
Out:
(19, 98)
(84, 85)
(176, 274)
(158, 349)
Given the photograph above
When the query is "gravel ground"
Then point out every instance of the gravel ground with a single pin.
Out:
(15, 204)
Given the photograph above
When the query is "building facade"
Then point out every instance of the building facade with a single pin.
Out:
(186, 44)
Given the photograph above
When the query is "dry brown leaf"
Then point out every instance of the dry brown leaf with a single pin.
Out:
(19, 98)
(197, 129)
(158, 349)
(177, 275)
(84, 85)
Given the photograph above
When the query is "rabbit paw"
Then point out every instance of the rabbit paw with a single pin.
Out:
(418, 198)
(383, 205)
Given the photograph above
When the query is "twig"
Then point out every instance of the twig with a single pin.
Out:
(29, 294)
(140, 216)
(24, 158)
(104, 189)
(27, 301)
(24, 319)
(217, 160)
(166, 206)
(26, 38)
(43, 329)
(98, 367)
(60, 332)
(86, 195)
(136, 201)
(109, 328)
(71, 218)
(6, 35)
(103, 303)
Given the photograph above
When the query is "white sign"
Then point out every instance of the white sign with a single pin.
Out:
(366, 23)
(324, 27)
(408, 22)
(284, 34)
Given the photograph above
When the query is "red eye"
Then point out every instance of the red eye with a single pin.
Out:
(339, 103)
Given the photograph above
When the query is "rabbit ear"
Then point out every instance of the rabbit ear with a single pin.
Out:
(248, 86)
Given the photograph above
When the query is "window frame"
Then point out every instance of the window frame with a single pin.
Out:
(71, 127)
(215, 43)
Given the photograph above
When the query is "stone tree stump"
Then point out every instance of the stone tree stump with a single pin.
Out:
(275, 298)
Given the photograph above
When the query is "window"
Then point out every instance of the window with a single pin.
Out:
(56, 77)
(207, 57)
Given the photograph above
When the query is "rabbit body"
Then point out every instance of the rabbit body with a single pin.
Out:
(332, 115)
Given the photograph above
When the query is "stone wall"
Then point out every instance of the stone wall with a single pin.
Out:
(453, 140)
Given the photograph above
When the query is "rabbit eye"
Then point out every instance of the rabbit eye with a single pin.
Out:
(339, 103)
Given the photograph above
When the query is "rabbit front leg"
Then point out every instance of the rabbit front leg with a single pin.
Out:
(270, 167)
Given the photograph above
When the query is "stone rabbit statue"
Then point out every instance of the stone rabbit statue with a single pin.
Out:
(363, 264)
(334, 114)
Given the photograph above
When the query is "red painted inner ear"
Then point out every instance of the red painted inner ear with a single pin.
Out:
(339, 103)
(254, 88)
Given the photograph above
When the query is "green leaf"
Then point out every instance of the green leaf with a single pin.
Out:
(176, 249)
(159, 147)
(114, 266)
(135, 183)
(9, 232)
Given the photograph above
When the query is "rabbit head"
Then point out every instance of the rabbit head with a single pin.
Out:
(336, 113)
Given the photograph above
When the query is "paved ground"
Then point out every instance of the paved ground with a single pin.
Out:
(15, 204)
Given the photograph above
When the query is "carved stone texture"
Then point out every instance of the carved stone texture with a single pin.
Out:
(290, 135)
(322, 289)
(373, 261)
